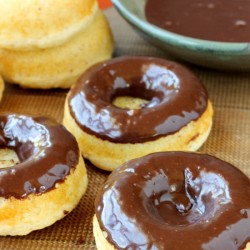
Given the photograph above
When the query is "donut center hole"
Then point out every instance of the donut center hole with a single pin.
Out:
(22, 139)
(128, 102)
(186, 200)
(8, 158)
(171, 206)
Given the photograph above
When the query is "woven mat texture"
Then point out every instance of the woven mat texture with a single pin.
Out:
(229, 139)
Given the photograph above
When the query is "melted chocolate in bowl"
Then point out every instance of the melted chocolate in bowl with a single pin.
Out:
(216, 20)
(174, 98)
(176, 200)
(46, 150)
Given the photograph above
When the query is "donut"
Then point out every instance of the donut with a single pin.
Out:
(48, 48)
(1, 87)
(128, 107)
(42, 24)
(174, 200)
(42, 173)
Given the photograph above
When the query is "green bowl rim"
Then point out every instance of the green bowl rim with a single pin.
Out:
(174, 38)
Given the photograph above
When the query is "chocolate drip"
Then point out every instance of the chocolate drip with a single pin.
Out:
(46, 150)
(175, 97)
(176, 200)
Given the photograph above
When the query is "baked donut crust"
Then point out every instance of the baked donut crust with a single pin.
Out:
(60, 66)
(26, 25)
(22, 216)
(42, 178)
(108, 155)
(109, 135)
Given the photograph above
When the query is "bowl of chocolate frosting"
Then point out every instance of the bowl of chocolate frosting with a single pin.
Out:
(210, 33)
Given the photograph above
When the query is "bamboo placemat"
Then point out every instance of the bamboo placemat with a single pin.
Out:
(229, 139)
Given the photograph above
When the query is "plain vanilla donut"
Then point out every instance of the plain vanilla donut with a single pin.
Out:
(174, 112)
(53, 49)
(174, 200)
(26, 24)
(42, 173)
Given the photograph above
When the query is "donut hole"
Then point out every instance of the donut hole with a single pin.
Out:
(22, 139)
(167, 202)
(128, 102)
(8, 158)
(187, 200)
(133, 97)
(156, 84)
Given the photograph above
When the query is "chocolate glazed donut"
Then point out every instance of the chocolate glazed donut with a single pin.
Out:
(49, 162)
(176, 114)
(174, 200)
(175, 97)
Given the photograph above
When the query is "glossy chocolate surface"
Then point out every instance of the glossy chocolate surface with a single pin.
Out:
(46, 150)
(176, 200)
(215, 20)
(175, 97)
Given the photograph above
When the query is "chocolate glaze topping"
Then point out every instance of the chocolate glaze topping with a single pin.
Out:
(216, 20)
(176, 200)
(175, 97)
(46, 150)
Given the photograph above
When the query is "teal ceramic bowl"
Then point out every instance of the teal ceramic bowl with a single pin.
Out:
(217, 55)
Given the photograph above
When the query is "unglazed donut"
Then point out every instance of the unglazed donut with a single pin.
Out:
(174, 200)
(176, 113)
(50, 48)
(42, 173)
